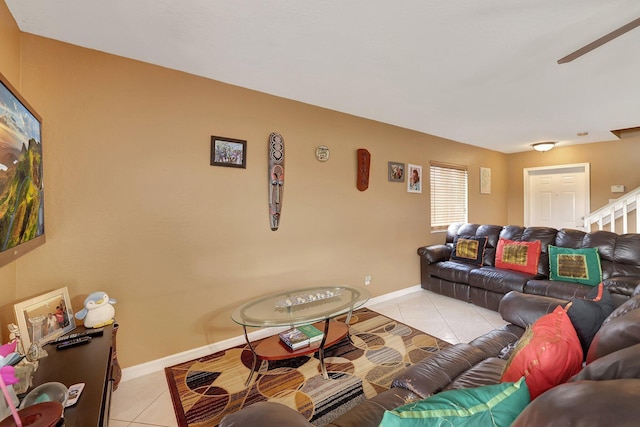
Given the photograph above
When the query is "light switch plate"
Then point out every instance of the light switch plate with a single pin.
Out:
(617, 188)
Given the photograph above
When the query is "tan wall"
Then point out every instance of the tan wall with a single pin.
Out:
(611, 163)
(134, 208)
(10, 68)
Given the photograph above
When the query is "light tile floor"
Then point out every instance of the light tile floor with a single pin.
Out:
(145, 401)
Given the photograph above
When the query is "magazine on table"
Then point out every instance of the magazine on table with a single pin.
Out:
(294, 338)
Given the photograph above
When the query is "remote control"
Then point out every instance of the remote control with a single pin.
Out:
(73, 342)
(74, 394)
(88, 332)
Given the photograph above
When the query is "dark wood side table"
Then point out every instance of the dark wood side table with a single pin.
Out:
(94, 364)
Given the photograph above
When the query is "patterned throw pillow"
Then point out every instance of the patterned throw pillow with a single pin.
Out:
(495, 405)
(548, 354)
(469, 249)
(518, 256)
(575, 265)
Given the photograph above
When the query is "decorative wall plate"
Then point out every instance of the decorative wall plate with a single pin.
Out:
(322, 153)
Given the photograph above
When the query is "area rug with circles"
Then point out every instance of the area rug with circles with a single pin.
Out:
(360, 366)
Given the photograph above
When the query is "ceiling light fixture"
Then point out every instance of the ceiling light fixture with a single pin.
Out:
(543, 146)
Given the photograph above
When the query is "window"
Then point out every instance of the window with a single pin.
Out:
(448, 195)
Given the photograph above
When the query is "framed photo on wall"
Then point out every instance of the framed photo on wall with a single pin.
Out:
(228, 152)
(50, 313)
(485, 181)
(396, 172)
(414, 178)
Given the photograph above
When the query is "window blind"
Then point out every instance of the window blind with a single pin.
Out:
(448, 195)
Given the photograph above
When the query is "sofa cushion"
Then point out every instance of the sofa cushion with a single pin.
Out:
(631, 304)
(493, 342)
(548, 353)
(524, 310)
(265, 413)
(556, 289)
(487, 372)
(497, 280)
(368, 412)
(518, 256)
(493, 405)
(575, 265)
(453, 271)
(469, 249)
(623, 363)
(588, 314)
(620, 332)
(436, 372)
(585, 404)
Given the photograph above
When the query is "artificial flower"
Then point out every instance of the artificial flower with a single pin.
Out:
(8, 374)
(7, 349)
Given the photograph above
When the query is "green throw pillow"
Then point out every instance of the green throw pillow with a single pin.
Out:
(493, 405)
(575, 265)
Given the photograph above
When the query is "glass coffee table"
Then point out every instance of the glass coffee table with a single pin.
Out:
(318, 305)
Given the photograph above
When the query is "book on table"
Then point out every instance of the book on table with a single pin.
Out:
(301, 336)
(294, 338)
(312, 332)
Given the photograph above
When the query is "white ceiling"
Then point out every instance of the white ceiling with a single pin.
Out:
(482, 72)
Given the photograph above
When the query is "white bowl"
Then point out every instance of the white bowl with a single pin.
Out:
(47, 392)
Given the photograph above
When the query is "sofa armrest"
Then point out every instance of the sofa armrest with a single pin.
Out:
(435, 253)
(265, 414)
(524, 309)
(623, 285)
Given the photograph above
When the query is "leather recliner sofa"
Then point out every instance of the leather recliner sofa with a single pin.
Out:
(485, 285)
(605, 392)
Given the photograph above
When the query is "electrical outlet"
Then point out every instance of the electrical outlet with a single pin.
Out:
(367, 280)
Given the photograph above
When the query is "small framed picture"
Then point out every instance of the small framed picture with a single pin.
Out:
(45, 317)
(228, 152)
(485, 181)
(396, 172)
(414, 180)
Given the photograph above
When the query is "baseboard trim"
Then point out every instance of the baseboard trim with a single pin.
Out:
(174, 359)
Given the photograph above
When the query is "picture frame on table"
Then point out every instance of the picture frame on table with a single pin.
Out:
(228, 152)
(396, 172)
(414, 178)
(55, 307)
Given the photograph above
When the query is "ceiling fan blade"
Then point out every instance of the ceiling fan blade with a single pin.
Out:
(602, 40)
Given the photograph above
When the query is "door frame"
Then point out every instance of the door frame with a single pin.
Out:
(586, 168)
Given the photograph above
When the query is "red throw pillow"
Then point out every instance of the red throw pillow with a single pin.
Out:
(518, 256)
(548, 354)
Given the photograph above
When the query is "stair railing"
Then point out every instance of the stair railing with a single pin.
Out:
(618, 208)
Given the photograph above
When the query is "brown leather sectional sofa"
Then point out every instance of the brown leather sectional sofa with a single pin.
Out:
(486, 285)
(605, 392)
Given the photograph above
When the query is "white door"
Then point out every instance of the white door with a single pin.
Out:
(557, 196)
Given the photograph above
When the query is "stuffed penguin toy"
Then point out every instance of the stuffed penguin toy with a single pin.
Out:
(98, 310)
